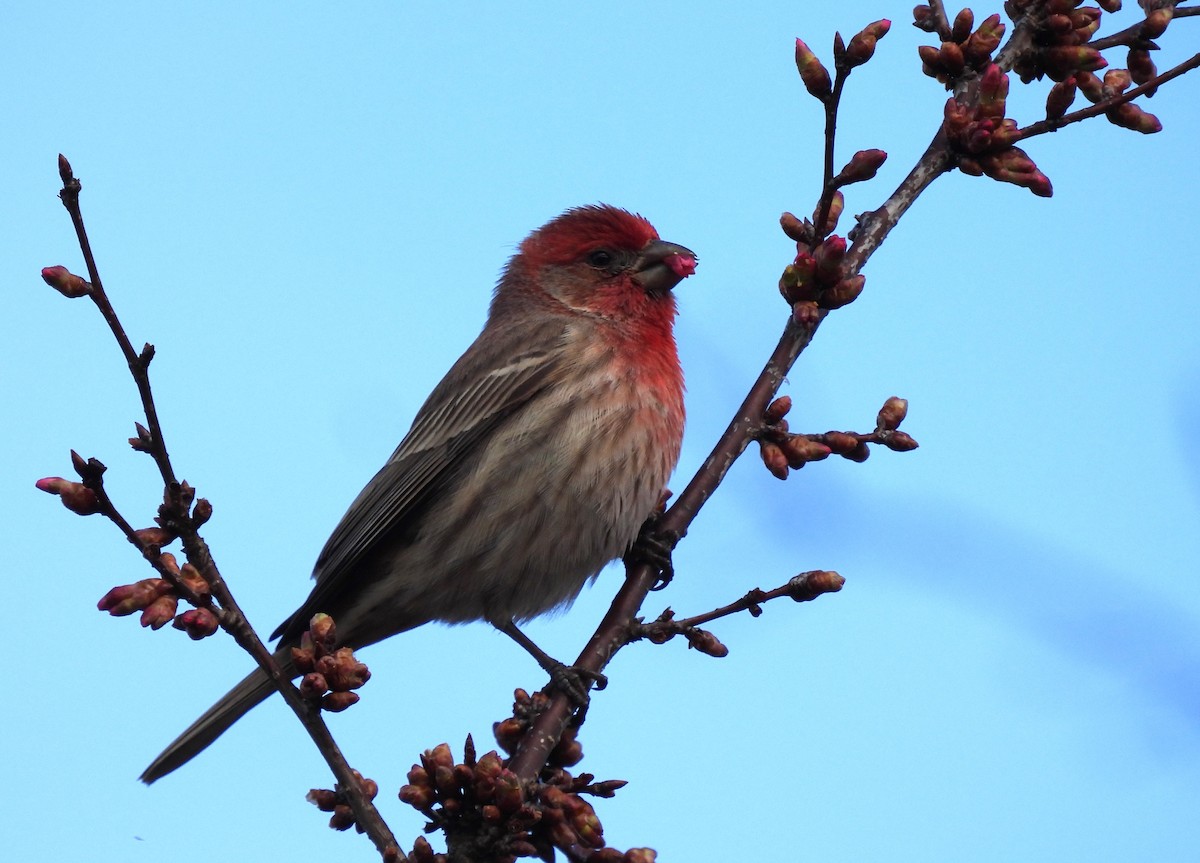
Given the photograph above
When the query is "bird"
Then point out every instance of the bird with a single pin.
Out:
(530, 466)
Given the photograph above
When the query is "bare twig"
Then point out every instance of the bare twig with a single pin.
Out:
(1041, 127)
(177, 520)
(802, 588)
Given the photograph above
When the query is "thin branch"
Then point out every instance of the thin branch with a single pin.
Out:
(1131, 35)
(1104, 106)
(801, 588)
(177, 520)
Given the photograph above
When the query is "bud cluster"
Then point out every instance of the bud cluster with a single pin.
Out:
(965, 51)
(782, 451)
(335, 801)
(158, 600)
(862, 45)
(1115, 81)
(817, 278)
(1061, 30)
(983, 137)
(481, 797)
(664, 628)
(329, 672)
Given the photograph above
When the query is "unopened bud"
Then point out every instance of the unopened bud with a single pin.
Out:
(800, 450)
(336, 702)
(1130, 116)
(128, 598)
(705, 642)
(862, 44)
(836, 204)
(840, 442)
(800, 231)
(1156, 22)
(892, 414)
(313, 686)
(201, 512)
(843, 293)
(322, 798)
(343, 817)
(777, 410)
(963, 22)
(1141, 67)
(323, 631)
(899, 441)
(65, 282)
(812, 72)
(193, 580)
(75, 496)
(160, 612)
(923, 18)
(859, 454)
(806, 314)
(1109, 5)
(809, 585)
(1117, 80)
(864, 165)
(978, 48)
(774, 459)
(829, 256)
(155, 537)
(1059, 100)
(198, 623)
(142, 442)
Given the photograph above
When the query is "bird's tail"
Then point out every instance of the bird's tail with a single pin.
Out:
(254, 688)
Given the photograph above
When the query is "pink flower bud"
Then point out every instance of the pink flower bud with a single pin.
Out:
(198, 623)
(65, 282)
(75, 496)
(812, 72)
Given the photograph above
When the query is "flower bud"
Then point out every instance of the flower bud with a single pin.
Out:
(860, 453)
(1141, 67)
(799, 450)
(705, 642)
(142, 442)
(863, 165)
(343, 817)
(65, 282)
(160, 612)
(978, 48)
(155, 537)
(812, 73)
(322, 631)
(829, 256)
(313, 686)
(1059, 100)
(201, 512)
(322, 798)
(777, 410)
(840, 442)
(800, 231)
(843, 293)
(963, 22)
(836, 204)
(1156, 22)
(198, 623)
(1130, 116)
(1117, 80)
(892, 414)
(75, 496)
(127, 598)
(774, 459)
(1109, 5)
(862, 45)
(923, 18)
(336, 702)
(806, 314)
(899, 441)
(809, 585)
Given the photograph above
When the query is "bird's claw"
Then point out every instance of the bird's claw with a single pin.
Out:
(575, 682)
(654, 547)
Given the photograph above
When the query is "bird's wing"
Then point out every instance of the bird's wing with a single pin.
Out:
(461, 411)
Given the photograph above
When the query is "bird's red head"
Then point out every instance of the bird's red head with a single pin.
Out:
(603, 261)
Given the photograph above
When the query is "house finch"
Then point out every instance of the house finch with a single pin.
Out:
(530, 466)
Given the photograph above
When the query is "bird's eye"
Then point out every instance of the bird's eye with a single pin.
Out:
(601, 259)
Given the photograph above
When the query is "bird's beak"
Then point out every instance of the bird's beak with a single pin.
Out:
(661, 266)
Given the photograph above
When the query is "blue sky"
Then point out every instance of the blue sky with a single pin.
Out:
(305, 208)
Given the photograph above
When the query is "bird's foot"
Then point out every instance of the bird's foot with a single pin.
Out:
(654, 546)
